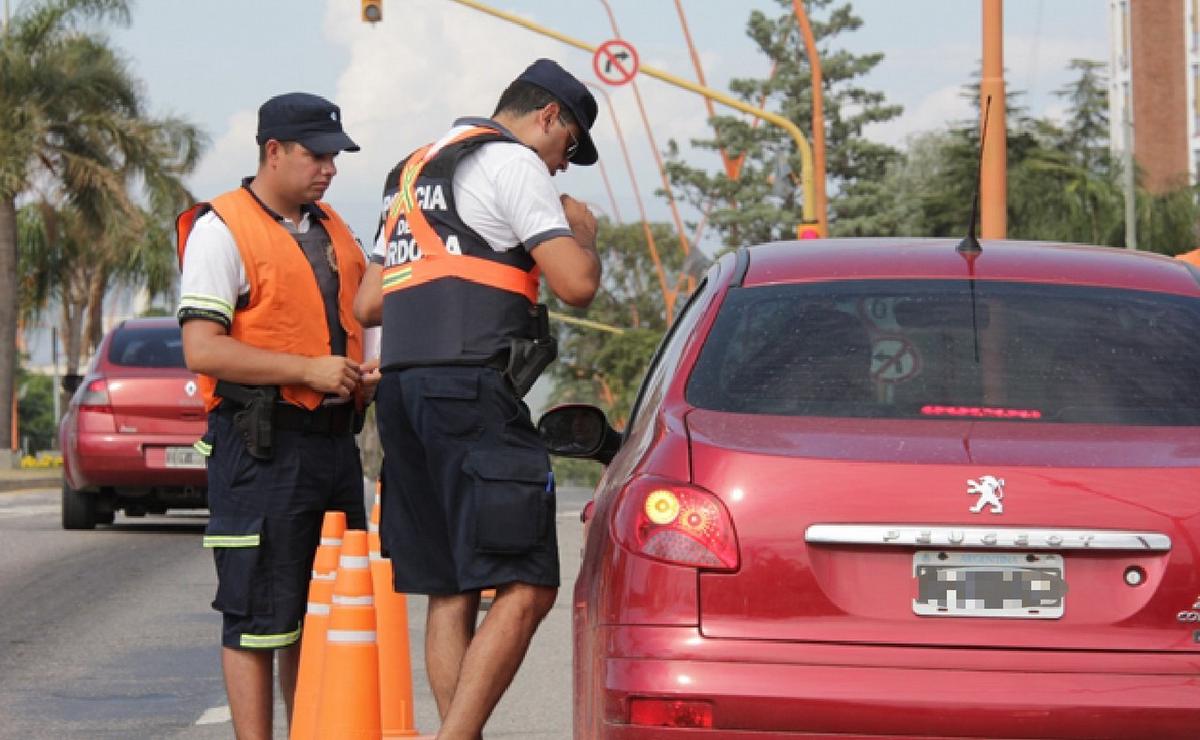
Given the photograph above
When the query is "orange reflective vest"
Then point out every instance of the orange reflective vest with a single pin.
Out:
(448, 297)
(285, 311)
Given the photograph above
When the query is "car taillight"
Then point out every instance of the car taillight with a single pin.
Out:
(678, 523)
(95, 397)
(670, 713)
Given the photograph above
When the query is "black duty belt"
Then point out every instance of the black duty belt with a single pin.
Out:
(336, 419)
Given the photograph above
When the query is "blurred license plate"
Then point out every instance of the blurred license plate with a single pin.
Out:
(989, 584)
(183, 457)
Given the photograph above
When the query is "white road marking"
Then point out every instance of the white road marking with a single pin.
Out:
(569, 515)
(214, 716)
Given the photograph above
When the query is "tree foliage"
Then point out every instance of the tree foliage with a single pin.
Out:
(35, 401)
(1063, 183)
(764, 203)
(602, 367)
(102, 178)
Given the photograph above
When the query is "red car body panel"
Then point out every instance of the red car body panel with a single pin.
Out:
(123, 445)
(809, 638)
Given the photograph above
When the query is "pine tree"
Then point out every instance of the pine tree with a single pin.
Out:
(764, 203)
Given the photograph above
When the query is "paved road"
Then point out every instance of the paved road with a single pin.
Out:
(108, 634)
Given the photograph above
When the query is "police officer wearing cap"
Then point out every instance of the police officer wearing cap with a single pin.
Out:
(469, 223)
(269, 275)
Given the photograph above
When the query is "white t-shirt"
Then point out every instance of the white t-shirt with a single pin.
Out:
(213, 278)
(503, 191)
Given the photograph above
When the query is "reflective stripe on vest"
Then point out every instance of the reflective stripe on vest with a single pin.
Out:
(436, 262)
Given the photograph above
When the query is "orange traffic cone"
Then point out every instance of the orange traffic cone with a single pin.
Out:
(348, 707)
(395, 664)
(316, 620)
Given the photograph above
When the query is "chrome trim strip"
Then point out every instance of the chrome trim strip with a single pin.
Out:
(940, 535)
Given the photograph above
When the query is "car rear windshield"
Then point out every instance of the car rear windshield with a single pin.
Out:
(937, 349)
(147, 347)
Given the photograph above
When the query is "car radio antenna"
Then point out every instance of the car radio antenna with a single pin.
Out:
(969, 247)
(969, 244)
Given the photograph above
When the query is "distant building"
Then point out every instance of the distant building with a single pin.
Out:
(1155, 81)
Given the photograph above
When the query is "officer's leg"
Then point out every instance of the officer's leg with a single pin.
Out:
(289, 669)
(449, 626)
(494, 655)
(248, 685)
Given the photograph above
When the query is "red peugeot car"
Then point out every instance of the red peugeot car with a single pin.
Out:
(127, 435)
(882, 488)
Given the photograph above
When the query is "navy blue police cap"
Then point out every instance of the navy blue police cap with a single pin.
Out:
(309, 120)
(570, 92)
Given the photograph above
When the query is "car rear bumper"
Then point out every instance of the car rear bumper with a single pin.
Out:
(122, 461)
(763, 689)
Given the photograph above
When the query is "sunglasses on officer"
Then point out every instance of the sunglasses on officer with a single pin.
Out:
(574, 147)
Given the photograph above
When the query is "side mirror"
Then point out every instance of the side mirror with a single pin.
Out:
(579, 430)
(71, 382)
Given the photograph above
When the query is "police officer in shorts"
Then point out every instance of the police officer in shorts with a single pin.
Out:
(468, 496)
(269, 275)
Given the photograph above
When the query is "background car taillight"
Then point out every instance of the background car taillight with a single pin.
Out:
(676, 522)
(95, 397)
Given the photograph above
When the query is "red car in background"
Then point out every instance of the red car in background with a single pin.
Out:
(880, 488)
(128, 432)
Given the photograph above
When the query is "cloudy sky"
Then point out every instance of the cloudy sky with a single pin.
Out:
(402, 82)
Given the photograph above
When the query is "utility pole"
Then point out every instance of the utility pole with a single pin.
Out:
(993, 180)
(1123, 77)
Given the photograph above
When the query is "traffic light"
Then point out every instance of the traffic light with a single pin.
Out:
(372, 11)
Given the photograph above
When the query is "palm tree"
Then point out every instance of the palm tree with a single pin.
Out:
(73, 135)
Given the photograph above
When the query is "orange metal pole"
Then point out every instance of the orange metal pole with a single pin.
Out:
(16, 415)
(730, 169)
(667, 293)
(662, 170)
(612, 199)
(818, 117)
(993, 198)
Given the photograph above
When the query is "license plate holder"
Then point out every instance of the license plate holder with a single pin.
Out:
(1020, 585)
(183, 457)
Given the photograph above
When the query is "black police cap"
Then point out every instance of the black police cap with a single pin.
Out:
(570, 92)
(309, 120)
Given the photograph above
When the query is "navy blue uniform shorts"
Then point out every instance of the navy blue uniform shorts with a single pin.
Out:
(265, 524)
(468, 495)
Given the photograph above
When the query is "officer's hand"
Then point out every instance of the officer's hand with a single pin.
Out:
(581, 220)
(332, 374)
(368, 380)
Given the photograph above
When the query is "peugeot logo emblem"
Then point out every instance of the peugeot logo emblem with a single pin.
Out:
(190, 388)
(990, 491)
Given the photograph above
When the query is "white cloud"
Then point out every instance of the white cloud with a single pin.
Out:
(232, 155)
(935, 111)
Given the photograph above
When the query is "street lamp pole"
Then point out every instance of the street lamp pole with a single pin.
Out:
(818, 116)
(662, 170)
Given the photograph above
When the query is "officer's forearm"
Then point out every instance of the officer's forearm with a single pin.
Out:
(221, 356)
(368, 302)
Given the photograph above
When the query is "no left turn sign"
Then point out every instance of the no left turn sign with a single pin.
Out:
(894, 360)
(615, 62)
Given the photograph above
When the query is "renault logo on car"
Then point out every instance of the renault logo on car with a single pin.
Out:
(990, 490)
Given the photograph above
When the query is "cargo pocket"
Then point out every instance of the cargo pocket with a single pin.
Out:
(514, 500)
(452, 404)
(243, 577)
